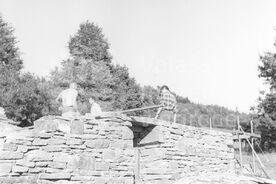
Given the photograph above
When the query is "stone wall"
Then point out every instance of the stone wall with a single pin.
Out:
(112, 149)
(172, 151)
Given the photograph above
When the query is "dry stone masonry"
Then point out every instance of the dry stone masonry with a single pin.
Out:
(113, 149)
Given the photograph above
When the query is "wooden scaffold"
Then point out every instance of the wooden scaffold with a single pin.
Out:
(238, 135)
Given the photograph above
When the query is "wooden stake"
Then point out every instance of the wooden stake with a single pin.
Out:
(137, 164)
(240, 143)
(210, 122)
(252, 142)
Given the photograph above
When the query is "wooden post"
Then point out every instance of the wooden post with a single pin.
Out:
(210, 122)
(252, 142)
(137, 164)
(240, 143)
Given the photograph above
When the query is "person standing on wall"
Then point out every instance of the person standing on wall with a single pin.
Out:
(95, 108)
(168, 100)
(68, 97)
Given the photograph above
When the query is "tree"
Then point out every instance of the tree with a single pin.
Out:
(127, 93)
(25, 102)
(94, 80)
(20, 94)
(90, 43)
(150, 97)
(9, 52)
(10, 61)
(91, 68)
(267, 103)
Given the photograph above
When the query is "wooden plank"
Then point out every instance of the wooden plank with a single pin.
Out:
(141, 109)
(249, 135)
(235, 137)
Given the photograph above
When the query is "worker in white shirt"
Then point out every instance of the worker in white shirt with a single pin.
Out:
(95, 108)
(68, 97)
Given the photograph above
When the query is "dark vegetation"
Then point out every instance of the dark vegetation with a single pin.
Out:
(26, 97)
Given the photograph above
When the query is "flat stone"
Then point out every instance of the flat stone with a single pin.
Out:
(82, 162)
(74, 141)
(97, 144)
(25, 163)
(36, 170)
(56, 141)
(46, 182)
(45, 135)
(20, 169)
(22, 148)
(52, 170)
(122, 144)
(82, 178)
(126, 133)
(10, 155)
(81, 147)
(41, 164)
(16, 179)
(42, 135)
(55, 176)
(52, 148)
(46, 124)
(109, 155)
(77, 127)
(9, 147)
(62, 157)
(39, 142)
(90, 173)
(38, 155)
(5, 168)
(156, 135)
(144, 121)
(57, 165)
(101, 166)
(1, 143)
(64, 126)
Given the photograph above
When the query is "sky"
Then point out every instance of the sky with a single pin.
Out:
(207, 51)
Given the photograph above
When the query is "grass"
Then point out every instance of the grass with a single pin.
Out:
(268, 160)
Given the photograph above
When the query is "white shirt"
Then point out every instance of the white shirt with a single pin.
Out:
(69, 97)
(95, 109)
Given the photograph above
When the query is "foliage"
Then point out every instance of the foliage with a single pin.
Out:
(91, 68)
(90, 43)
(25, 102)
(9, 52)
(126, 92)
(267, 102)
(10, 62)
(19, 93)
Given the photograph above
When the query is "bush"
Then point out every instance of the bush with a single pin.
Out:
(25, 102)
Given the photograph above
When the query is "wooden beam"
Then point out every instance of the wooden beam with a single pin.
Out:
(248, 135)
(141, 109)
(235, 137)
